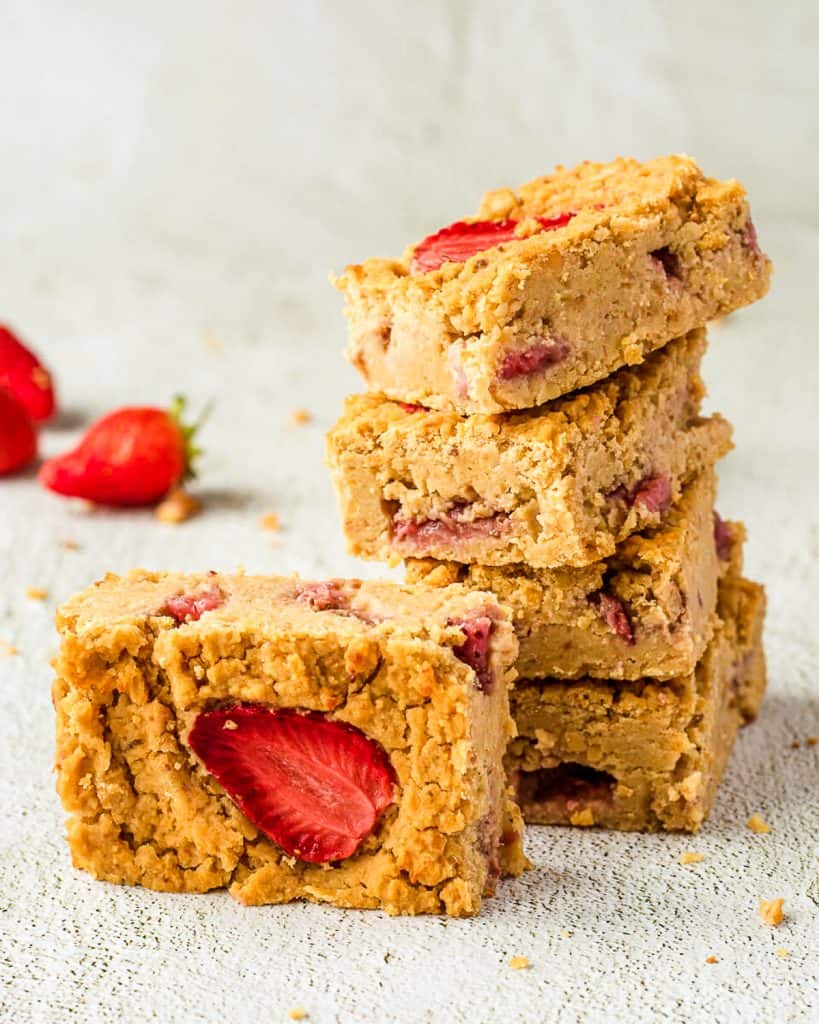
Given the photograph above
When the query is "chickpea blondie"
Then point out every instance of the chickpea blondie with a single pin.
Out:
(337, 741)
(554, 285)
(647, 610)
(641, 755)
(560, 485)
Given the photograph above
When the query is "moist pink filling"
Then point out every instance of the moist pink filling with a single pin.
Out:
(322, 596)
(616, 617)
(474, 651)
(652, 492)
(449, 530)
(191, 607)
(538, 357)
(723, 538)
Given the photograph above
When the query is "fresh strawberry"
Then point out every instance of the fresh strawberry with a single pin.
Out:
(130, 457)
(315, 786)
(459, 241)
(18, 439)
(22, 373)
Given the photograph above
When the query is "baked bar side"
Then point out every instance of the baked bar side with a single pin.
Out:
(556, 486)
(144, 810)
(640, 755)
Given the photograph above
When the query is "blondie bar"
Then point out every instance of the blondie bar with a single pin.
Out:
(554, 486)
(641, 755)
(647, 610)
(554, 286)
(340, 742)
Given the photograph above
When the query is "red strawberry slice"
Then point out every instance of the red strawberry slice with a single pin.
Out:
(315, 786)
(22, 373)
(616, 617)
(18, 440)
(653, 493)
(133, 456)
(459, 241)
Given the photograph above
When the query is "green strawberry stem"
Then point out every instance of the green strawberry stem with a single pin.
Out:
(189, 432)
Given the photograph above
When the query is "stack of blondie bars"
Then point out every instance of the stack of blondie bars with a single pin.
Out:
(533, 429)
(575, 638)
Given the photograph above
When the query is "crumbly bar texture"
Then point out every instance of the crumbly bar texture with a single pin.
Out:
(385, 659)
(556, 486)
(647, 610)
(653, 251)
(644, 755)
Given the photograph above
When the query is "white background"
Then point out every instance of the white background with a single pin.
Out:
(176, 181)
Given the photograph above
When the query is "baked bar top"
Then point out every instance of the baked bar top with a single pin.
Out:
(379, 712)
(647, 610)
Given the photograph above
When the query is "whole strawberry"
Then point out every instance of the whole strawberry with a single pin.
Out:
(133, 456)
(22, 373)
(18, 439)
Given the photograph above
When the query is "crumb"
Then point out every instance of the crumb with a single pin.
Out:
(36, 594)
(297, 1013)
(230, 724)
(212, 341)
(177, 766)
(520, 963)
(756, 824)
(812, 741)
(582, 818)
(69, 545)
(300, 417)
(795, 745)
(711, 960)
(7, 650)
(565, 934)
(177, 507)
(689, 857)
(271, 522)
(782, 952)
(771, 912)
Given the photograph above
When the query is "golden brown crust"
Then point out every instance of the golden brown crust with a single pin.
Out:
(130, 683)
(595, 287)
(641, 755)
(553, 474)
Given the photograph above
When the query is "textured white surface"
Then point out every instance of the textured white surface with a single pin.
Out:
(175, 173)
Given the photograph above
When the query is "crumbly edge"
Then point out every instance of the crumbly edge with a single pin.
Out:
(144, 811)
(663, 745)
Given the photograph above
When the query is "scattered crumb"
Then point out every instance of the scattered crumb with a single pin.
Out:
(812, 741)
(230, 724)
(271, 522)
(177, 507)
(520, 963)
(689, 857)
(711, 960)
(782, 952)
(36, 594)
(7, 650)
(795, 745)
(771, 912)
(297, 1013)
(69, 545)
(212, 341)
(565, 934)
(758, 825)
(582, 818)
(300, 417)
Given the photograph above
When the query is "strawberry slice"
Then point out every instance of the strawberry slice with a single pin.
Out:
(315, 786)
(191, 607)
(475, 648)
(459, 241)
